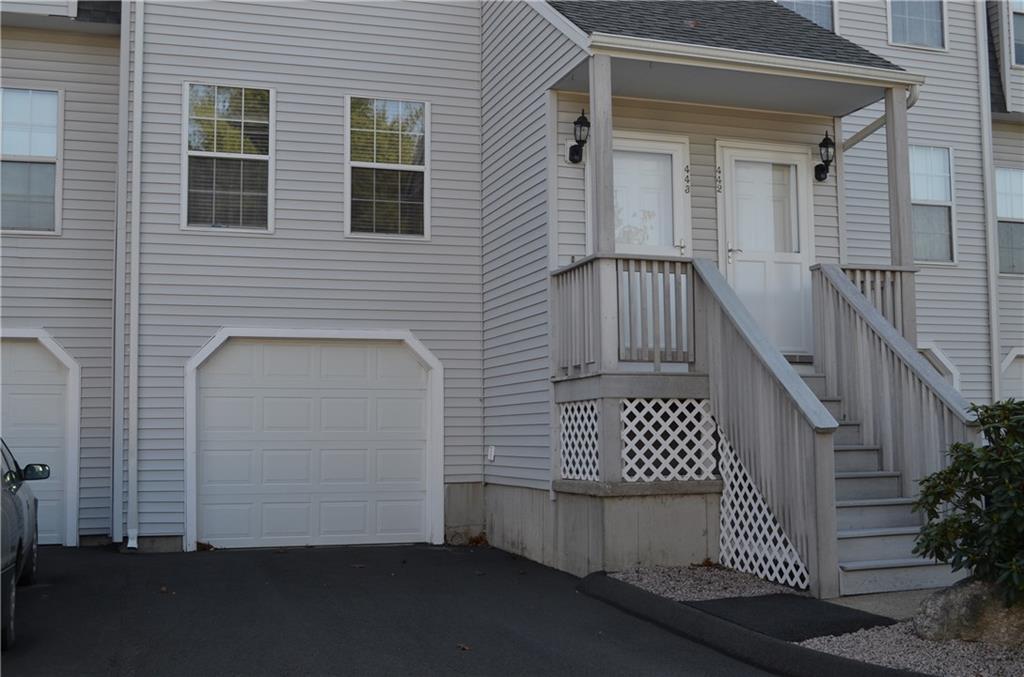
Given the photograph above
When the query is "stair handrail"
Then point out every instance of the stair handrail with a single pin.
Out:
(896, 342)
(775, 425)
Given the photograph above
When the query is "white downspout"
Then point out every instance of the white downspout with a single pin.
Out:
(912, 96)
(988, 181)
(117, 413)
(133, 327)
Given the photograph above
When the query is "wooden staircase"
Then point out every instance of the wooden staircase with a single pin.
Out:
(875, 524)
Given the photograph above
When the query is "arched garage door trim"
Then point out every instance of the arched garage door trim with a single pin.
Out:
(72, 425)
(435, 413)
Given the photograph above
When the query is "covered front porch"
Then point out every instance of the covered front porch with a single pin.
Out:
(693, 346)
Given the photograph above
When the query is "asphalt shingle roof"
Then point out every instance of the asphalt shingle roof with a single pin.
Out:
(750, 25)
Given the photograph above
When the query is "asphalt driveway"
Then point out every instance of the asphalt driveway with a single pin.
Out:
(409, 610)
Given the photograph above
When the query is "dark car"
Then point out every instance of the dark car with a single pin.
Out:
(20, 537)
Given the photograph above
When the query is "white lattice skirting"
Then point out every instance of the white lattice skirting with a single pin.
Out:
(667, 440)
(578, 423)
(752, 539)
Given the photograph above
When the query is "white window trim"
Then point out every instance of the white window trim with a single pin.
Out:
(271, 159)
(58, 179)
(1012, 60)
(350, 163)
(955, 259)
(926, 48)
(1001, 219)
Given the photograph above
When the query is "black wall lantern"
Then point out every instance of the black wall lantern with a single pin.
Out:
(827, 150)
(581, 132)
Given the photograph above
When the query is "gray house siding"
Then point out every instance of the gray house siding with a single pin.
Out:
(307, 274)
(65, 283)
(1008, 151)
(703, 126)
(952, 299)
(522, 56)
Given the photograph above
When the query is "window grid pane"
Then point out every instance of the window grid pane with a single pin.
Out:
(930, 174)
(1011, 247)
(818, 11)
(1010, 193)
(932, 233)
(27, 199)
(227, 193)
(917, 22)
(28, 118)
(385, 131)
(386, 201)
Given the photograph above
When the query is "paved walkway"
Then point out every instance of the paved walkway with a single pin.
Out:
(411, 610)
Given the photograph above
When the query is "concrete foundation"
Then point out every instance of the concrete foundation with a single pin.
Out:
(463, 512)
(584, 527)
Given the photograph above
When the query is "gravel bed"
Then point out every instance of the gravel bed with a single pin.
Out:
(896, 646)
(699, 582)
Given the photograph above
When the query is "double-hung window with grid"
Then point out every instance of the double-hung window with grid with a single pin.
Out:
(30, 159)
(1010, 214)
(931, 196)
(387, 167)
(917, 23)
(229, 141)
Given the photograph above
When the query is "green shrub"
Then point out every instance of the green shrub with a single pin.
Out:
(975, 506)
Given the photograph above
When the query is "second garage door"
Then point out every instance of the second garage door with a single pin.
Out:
(311, 443)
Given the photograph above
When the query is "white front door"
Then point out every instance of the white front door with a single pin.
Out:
(652, 200)
(768, 241)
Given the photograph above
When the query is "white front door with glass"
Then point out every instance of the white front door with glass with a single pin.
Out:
(652, 197)
(767, 240)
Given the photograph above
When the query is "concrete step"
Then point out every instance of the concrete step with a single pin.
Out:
(852, 458)
(872, 484)
(862, 578)
(848, 433)
(874, 513)
(859, 545)
(816, 382)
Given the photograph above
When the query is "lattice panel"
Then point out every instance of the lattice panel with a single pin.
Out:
(579, 440)
(667, 439)
(751, 539)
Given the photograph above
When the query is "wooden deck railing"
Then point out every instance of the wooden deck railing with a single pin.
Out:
(890, 289)
(903, 404)
(612, 309)
(780, 431)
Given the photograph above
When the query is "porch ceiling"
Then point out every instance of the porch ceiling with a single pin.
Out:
(728, 87)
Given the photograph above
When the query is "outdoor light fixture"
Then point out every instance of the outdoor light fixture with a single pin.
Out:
(580, 131)
(827, 150)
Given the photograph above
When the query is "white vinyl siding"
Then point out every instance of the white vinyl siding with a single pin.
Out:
(931, 195)
(30, 150)
(307, 274)
(820, 12)
(918, 23)
(523, 55)
(1010, 214)
(952, 300)
(389, 186)
(65, 284)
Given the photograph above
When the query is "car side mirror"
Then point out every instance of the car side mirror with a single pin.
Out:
(35, 471)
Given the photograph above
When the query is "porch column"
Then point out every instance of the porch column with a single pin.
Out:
(599, 164)
(901, 233)
(600, 158)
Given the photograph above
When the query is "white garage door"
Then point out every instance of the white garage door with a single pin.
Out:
(311, 443)
(33, 391)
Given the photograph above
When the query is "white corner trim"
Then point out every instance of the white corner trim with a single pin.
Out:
(1014, 353)
(435, 411)
(933, 349)
(72, 423)
(562, 23)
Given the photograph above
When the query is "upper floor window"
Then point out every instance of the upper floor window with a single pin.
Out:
(917, 22)
(1010, 213)
(1017, 14)
(30, 152)
(818, 11)
(387, 154)
(931, 195)
(229, 142)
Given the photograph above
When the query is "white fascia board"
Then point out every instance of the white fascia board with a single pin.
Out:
(562, 23)
(627, 47)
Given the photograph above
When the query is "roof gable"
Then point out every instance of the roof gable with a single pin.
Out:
(759, 26)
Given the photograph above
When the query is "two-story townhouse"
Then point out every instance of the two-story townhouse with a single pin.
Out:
(368, 275)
